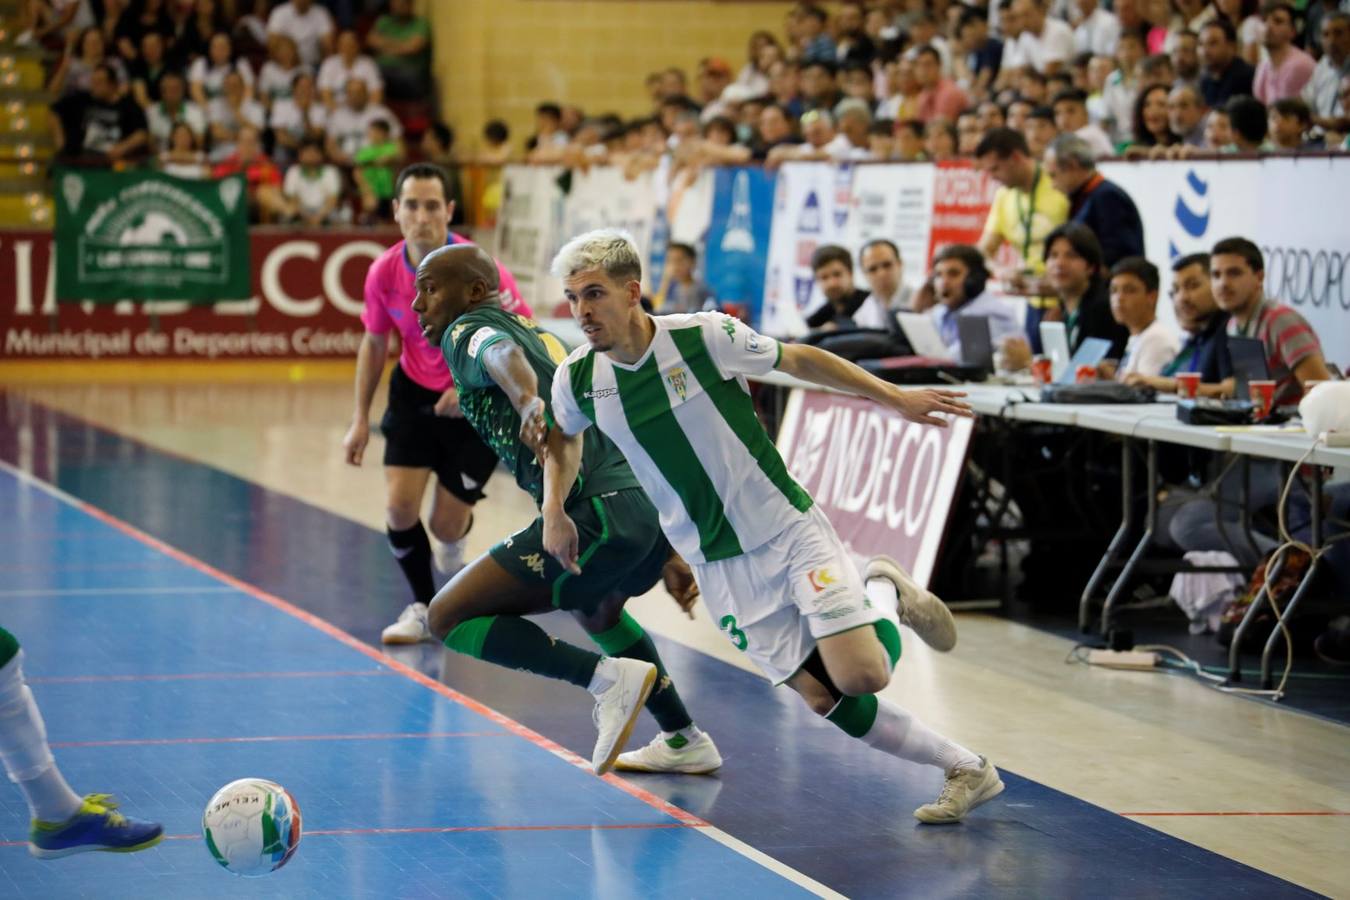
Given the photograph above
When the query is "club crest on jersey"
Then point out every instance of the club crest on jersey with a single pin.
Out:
(820, 579)
(678, 382)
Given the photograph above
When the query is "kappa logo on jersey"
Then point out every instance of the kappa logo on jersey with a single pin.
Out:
(678, 382)
(729, 326)
(457, 331)
(820, 579)
(600, 394)
(479, 336)
(534, 562)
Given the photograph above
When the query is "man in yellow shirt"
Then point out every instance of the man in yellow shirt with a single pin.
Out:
(1026, 208)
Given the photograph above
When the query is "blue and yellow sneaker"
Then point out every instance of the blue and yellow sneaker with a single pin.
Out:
(97, 826)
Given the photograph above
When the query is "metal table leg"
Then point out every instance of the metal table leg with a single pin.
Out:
(1117, 542)
(1235, 649)
(1150, 526)
(1315, 541)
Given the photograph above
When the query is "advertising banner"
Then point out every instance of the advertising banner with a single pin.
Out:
(1285, 205)
(811, 207)
(962, 195)
(737, 251)
(529, 228)
(305, 302)
(885, 483)
(895, 203)
(151, 236)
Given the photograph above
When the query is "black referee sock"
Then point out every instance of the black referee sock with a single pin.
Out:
(412, 549)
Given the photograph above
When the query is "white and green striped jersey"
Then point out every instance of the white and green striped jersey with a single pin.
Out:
(682, 416)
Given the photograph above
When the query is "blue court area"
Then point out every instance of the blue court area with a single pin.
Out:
(161, 681)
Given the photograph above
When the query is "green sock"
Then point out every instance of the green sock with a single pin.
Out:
(9, 646)
(518, 643)
(627, 639)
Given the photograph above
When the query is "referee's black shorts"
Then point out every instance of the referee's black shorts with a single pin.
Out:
(418, 438)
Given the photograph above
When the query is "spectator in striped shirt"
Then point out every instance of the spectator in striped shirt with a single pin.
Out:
(1293, 353)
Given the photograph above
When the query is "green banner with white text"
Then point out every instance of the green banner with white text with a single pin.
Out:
(147, 236)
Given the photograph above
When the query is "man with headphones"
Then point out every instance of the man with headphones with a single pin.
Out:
(959, 278)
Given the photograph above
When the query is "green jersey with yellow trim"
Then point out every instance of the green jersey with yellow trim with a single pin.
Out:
(491, 414)
(682, 416)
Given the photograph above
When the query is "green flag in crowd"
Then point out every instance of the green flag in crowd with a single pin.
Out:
(148, 236)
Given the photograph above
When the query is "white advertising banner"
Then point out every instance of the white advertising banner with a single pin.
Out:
(886, 484)
(896, 203)
(602, 197)
(528, 230)
(1288, 206)
(811, 208)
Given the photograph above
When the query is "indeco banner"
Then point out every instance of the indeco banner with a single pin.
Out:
(1286, 205)
(149, 236)
(885, 483)
(305, 301)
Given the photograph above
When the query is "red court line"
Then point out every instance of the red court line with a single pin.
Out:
(84, 567)
(1309, 813)
(447, 829)
(338, 634)
(209, 676)
(262, 739)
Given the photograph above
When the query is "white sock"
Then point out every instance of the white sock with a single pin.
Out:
(23, 747)
(898, 732)
(604, 677)
(449, 555)
(882, 593)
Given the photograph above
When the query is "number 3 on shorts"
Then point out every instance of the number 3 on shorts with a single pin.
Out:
(728, 624)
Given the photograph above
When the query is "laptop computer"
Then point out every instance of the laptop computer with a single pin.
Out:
(1248, 358)
(921, 332)
(1090, 352)
(977, 342)
(1055, 345)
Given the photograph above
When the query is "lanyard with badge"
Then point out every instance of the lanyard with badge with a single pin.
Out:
(1026, 218)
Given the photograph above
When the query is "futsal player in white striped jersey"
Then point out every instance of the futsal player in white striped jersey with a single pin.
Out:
(670, 392)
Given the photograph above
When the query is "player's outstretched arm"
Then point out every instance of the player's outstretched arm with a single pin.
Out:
(824, 368)
(562, 462)
(369, 367)
(506, 364)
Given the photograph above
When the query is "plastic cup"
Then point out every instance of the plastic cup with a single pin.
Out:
(1085, 374)
(1188, 385)
(1263, 396)
(1041, 368)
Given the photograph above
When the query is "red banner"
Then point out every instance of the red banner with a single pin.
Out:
(885, 483)
(307, 299)
(962, 195)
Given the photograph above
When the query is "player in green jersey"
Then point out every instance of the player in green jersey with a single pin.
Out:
(503, 365)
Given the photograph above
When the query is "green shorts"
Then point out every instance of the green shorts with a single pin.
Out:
(622, 551)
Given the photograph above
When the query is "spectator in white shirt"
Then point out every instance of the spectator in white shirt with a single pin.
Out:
(1044, 44)
(884, 270)
(312, 188)
(206, 76)
(277, 76)
(348, 123)
(1134, 303)
(1122, 86)
(343, 66)
(297, 117)
(173, 109)
(182, 156)
(822, 141)
(306, 23)
(1071, 117)
(1097, 31)
(228, 113)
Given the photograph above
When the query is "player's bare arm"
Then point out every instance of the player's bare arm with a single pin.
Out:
(509, 368)
(562, 463)
(824, 368)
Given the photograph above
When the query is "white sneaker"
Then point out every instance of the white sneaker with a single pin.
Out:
(698, 756)
(411, 627)
(965, 789)
(617, 706)
(920, 609)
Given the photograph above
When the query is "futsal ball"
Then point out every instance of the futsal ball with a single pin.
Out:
(252, 826)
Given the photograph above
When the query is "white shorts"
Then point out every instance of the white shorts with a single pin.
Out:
(775, 601)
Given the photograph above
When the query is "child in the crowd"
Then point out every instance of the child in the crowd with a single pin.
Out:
(680, 291)
(374, 173)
